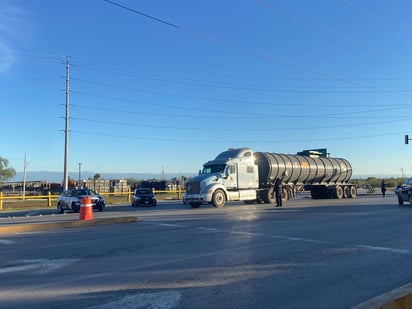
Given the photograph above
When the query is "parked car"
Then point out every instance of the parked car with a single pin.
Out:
(404, 192)
(144, 196)
(71, 199)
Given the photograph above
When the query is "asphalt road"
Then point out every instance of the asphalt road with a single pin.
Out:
(308, 254)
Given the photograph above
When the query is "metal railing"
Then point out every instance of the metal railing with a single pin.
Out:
(50, 198)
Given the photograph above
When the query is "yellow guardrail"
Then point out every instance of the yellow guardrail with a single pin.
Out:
(53, 197)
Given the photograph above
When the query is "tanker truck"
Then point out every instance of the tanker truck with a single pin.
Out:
(242, 175)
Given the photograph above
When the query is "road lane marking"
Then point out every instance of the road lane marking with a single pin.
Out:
(166, 224)
(207, 229)
(42, 265)
(291, 238)
(6, 242)
(377, 248)
(158, 300)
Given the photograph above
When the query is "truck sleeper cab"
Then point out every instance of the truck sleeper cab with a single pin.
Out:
(232, 176)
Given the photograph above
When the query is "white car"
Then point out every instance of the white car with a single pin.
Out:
(71, 199)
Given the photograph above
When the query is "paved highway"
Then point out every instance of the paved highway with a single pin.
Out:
(308, 254)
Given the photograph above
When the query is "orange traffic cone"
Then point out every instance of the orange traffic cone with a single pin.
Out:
(86, 209)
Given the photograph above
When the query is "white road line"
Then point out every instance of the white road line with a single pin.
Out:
(404, 251)
(158, 300)
(42, 265)
(291, 238)
(6, 242)
(246, 233)
(166, 224)
(207, 229)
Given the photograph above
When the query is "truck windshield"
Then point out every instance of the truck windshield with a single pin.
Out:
(213, 169)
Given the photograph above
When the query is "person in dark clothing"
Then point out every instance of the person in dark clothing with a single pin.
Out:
(383, 187)
(277, 191)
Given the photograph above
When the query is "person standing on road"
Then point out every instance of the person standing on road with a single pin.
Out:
(383, 187)
(277, 190)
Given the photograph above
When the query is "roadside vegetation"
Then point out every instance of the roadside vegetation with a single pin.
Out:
(373, 184)
(6, 172)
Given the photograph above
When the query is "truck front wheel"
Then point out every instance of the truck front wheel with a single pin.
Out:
(219, 198)
(268, 196)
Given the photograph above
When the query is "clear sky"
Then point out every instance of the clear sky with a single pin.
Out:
(170, 84)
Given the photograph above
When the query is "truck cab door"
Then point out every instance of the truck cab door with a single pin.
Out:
(231, 179)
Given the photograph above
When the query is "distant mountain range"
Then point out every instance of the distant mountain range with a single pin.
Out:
(58, 176)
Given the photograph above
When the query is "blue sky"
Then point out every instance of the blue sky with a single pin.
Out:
(170, 84)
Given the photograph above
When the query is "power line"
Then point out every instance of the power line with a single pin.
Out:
(243, 141)
(103, 67)
(143, 14)
(209, 129)
(391, 107)
(221, 100)
(295, 89)
(248, 115)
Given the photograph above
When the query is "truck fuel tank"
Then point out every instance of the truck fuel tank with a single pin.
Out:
(302, 169)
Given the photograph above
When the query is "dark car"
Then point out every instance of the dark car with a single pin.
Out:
(142, 197)
(71, 199)
(404, 192)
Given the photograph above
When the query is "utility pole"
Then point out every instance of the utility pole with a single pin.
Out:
(80, 174)
(66, 130)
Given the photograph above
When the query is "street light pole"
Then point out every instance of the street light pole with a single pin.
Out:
(80, 173)
(66, 130)
(24, 176)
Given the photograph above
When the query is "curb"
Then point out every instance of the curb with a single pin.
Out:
(32, 227)
(400, 298)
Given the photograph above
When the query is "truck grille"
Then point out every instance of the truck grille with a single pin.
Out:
(193, 188)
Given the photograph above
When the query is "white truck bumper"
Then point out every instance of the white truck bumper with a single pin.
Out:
(197, 198)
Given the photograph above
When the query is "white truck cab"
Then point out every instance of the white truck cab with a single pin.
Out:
(231, 176)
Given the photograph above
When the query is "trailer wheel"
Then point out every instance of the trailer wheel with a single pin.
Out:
(219, 198)
(339, 192)
(346, 191)
(353, 192)
(285, 194)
